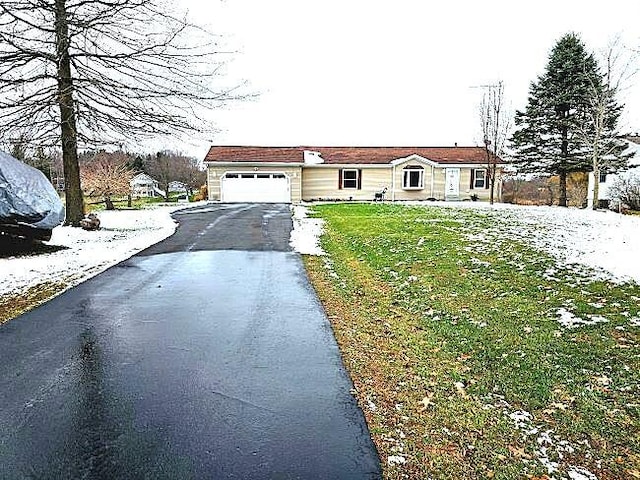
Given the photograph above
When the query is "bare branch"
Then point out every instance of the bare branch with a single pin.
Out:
(104, 72)
(495, 124)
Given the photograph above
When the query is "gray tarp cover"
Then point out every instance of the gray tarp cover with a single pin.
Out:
(26, 196)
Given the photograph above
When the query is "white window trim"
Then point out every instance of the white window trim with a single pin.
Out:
(602, 177)
(475, 178)
(406, 175)
(345, 170)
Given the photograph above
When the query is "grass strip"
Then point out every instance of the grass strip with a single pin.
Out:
(457, 355)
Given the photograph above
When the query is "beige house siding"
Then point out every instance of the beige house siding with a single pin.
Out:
(439, 181)
(408, 194)
(465, 185)
(434, 184)
(213, 182)
(311, 182)
(482, 193)
(214, 172)
(322, 183)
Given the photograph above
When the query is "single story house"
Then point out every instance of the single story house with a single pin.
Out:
(606, 180)
(142, 185)
(293, 174)
(177, 187)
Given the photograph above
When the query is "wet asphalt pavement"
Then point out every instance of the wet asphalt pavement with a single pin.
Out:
(205, 356)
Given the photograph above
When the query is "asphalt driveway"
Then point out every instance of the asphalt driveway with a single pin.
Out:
(205, 356)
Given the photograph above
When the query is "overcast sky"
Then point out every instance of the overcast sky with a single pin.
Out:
(402, 72)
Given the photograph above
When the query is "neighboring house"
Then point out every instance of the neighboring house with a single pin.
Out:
(178, 187)
(142, 185)
(606, 180)
(293, 174)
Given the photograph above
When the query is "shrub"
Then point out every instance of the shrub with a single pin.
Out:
(201, 195)
(625, 190)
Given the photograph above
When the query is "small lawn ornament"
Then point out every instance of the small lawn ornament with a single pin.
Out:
(379, 196)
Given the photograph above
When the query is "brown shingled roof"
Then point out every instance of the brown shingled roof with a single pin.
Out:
(346, 155)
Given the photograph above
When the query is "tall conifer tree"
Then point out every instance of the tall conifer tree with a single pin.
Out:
(552, 133)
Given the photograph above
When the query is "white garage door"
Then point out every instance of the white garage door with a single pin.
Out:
(255, 187)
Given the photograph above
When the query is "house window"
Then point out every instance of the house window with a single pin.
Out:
(350, 178)
(478, 178)
(603, 177)
(413, 177)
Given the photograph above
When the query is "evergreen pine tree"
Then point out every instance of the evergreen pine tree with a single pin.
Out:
(552, 133)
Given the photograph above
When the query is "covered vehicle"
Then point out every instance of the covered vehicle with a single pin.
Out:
(29, 205)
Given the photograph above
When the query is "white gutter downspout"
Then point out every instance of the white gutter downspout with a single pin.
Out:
(393, 183)
(433, 173)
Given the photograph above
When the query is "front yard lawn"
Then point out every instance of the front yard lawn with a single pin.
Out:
(475, 355)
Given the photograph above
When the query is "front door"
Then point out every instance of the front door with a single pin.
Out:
(452, 184)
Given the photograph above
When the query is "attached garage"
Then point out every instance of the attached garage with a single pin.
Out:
(296, 174)
(265, 187)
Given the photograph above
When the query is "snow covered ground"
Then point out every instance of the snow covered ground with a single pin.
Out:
(85, 254)
(606, 241)
(305, 237)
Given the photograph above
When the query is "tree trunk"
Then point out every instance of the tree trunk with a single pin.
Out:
(562, 195)
(73, 192)
(562, 200)
(492, 183)
(596, 189)
(491, 194)
(596, 179)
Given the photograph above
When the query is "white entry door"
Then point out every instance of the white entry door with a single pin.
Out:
(452, 185)
(255, 188)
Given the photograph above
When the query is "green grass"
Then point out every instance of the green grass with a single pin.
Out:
(14, 304)
(447, 331)
(97, 204)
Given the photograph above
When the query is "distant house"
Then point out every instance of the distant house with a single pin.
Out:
(606, 180)
(142, 185)
(293, 174)
(178, 187)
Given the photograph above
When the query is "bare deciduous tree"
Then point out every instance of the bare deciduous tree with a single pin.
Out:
(93, 73)
(599, 131)
(190, 172)
(107, 175)
(163, 169)
(495, 122)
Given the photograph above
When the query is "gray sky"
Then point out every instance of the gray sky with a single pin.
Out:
(352, 72)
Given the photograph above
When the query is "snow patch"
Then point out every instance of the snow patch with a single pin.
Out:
(84, 254)
(305, 236)
(605, 242)
(521, 418)
(552, 450)
(569, 320)
(396, 460)
(576, 473)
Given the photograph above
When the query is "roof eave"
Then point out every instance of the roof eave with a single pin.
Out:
(253, 164)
